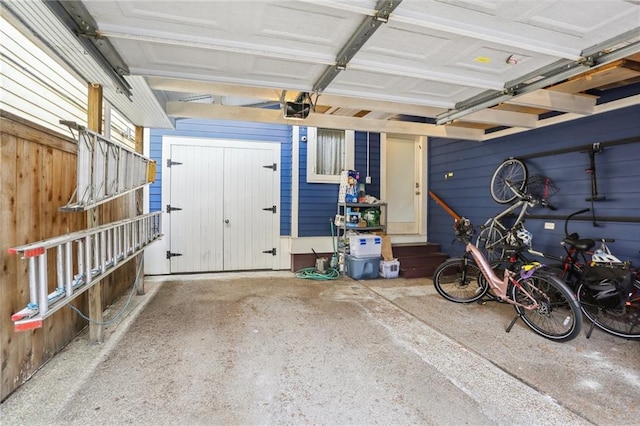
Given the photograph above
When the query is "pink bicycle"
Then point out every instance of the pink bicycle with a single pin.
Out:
(543, 302)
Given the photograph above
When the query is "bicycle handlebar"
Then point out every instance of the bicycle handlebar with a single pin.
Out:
(545, 203)
(530, 198)
(566, 221)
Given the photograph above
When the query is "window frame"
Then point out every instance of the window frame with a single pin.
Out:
(312, 151)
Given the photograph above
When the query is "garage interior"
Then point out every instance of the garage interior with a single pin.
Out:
(270, 348)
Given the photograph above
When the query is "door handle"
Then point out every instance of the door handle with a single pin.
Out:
(226, 221)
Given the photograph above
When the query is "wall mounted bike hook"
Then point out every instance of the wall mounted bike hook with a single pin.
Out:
(595, 148)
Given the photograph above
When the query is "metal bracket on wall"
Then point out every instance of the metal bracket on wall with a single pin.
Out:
(595, 148)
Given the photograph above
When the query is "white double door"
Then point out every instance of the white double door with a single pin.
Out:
(224, 199)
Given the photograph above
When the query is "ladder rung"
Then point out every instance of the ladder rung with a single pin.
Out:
(106, 169)
(99, 251)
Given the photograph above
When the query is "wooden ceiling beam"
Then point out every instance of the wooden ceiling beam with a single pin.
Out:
(502, 118)
(556, 101)
(263, 115)
(608, 74)
(273, 95)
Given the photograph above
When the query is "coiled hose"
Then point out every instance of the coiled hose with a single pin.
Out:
(313, 274)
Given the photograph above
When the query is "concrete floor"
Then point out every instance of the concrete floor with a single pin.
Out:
(274, 349)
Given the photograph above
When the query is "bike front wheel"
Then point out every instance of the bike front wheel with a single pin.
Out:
(622, 321)
(459, 280)
(511, 173)
(488, 241)
(558, 316)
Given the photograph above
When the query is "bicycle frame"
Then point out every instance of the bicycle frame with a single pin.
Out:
(499, 286)
(495, 221)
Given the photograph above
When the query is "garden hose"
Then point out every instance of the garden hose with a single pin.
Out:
(314, 274)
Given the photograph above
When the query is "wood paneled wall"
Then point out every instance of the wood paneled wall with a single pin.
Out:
(37, 176)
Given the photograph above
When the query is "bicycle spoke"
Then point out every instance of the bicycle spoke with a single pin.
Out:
(459, 282)
(512, 172)
(622, 321)
(557, 316)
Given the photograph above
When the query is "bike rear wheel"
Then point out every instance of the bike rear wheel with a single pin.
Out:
(511, 172)
(558, 316)
(623, 321)
(459, 280)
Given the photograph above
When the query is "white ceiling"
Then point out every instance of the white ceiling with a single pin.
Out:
(428, 60)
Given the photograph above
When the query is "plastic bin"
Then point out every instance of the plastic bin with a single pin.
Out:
(389, 268)
(363, 268)
(365, 245)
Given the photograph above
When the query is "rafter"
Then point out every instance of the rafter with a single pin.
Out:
(502, 118)
(198, 110)
(556, 101)
(270, 94)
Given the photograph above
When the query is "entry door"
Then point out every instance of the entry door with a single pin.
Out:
(224, 208)
(248, 196)
(402, 185)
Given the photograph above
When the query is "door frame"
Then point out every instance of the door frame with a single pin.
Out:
(421, 141)
(170, 140)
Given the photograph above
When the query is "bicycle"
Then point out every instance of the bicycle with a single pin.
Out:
(606, 288)
(512, 177)
(541, 300)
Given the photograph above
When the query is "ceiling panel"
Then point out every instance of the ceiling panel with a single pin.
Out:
(441, 60)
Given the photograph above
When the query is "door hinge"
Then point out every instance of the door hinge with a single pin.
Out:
(273, 167)
(272, 251)
(272, 209)
(170, 255)
(170, 209)
(172, 163)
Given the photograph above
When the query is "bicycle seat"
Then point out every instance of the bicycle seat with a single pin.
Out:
(581, 244)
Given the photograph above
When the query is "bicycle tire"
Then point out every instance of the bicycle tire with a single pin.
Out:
(487, 238)
(621, 322)
(459, 281)
(558, 316)
(512, 171)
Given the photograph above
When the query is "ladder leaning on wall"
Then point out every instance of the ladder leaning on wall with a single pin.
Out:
(97, 252)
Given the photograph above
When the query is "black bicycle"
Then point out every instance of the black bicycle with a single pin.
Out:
(607, 289)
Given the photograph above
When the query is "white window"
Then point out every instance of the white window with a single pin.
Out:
(329, 152)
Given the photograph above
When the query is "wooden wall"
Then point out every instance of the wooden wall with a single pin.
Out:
(37, 176)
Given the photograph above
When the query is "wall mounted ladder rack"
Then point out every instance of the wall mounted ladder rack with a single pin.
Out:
(105, 169)
(97, 252)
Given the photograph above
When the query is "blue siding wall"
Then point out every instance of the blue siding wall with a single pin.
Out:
(219, 129)
(318, 201)
(618, 179)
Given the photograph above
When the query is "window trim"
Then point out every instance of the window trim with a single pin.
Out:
(312, 139)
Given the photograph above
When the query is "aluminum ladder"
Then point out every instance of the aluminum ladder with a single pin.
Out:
(97, 252)
(105, 169)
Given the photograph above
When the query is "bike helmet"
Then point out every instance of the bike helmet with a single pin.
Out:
(463, 228)
(524, 236)
(601, 256)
